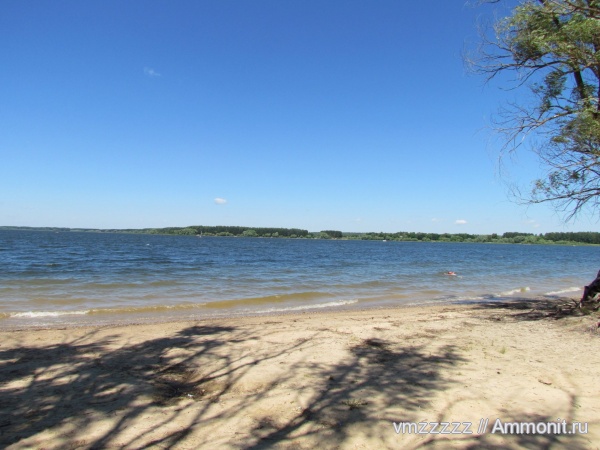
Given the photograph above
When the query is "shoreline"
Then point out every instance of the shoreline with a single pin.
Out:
(328, 379)
(491, 238)
(157, 318)
(232, 315)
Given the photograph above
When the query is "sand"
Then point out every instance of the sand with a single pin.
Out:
(314, 380)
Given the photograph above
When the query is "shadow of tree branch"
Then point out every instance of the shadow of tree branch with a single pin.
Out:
(100, 390)
(378, 376)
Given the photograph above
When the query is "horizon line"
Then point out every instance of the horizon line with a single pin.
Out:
(274, 227)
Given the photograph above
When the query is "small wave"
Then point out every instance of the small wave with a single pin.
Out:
(564, 291)
(520, 290)
(476, 298)
(157, 309)
(37, 314)
(102, 311)
(305, 307)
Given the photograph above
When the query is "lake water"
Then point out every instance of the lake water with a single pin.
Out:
(49, 278)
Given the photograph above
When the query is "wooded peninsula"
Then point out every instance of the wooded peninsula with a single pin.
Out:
(564, 238)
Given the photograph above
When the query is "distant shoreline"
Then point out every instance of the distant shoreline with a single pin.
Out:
(552, 238)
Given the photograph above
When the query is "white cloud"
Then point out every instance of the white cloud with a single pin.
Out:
(460, 222)
(220, 201)
(435, 219)
(151, 72)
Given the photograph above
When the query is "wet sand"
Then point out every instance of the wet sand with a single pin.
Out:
(311, 380)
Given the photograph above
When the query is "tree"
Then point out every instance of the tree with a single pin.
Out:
(331, 234)
(553, 47)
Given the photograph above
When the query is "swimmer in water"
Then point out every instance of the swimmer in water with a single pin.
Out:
(451, 274)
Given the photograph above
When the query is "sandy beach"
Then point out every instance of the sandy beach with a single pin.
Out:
(344, 380)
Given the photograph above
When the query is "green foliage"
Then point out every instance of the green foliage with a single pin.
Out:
(331, 234)
(583, 237)
(553, 46)
(590, 238)
(222, 230)
(506, 238)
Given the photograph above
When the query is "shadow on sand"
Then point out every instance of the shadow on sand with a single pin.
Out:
(58, 390)
(67, 387)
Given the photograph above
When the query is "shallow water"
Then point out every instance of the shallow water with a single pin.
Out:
(72, 278)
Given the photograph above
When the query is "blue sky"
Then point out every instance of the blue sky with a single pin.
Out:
(348, 115)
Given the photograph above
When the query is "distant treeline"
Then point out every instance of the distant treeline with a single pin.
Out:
(232, 231)
(588, 237)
